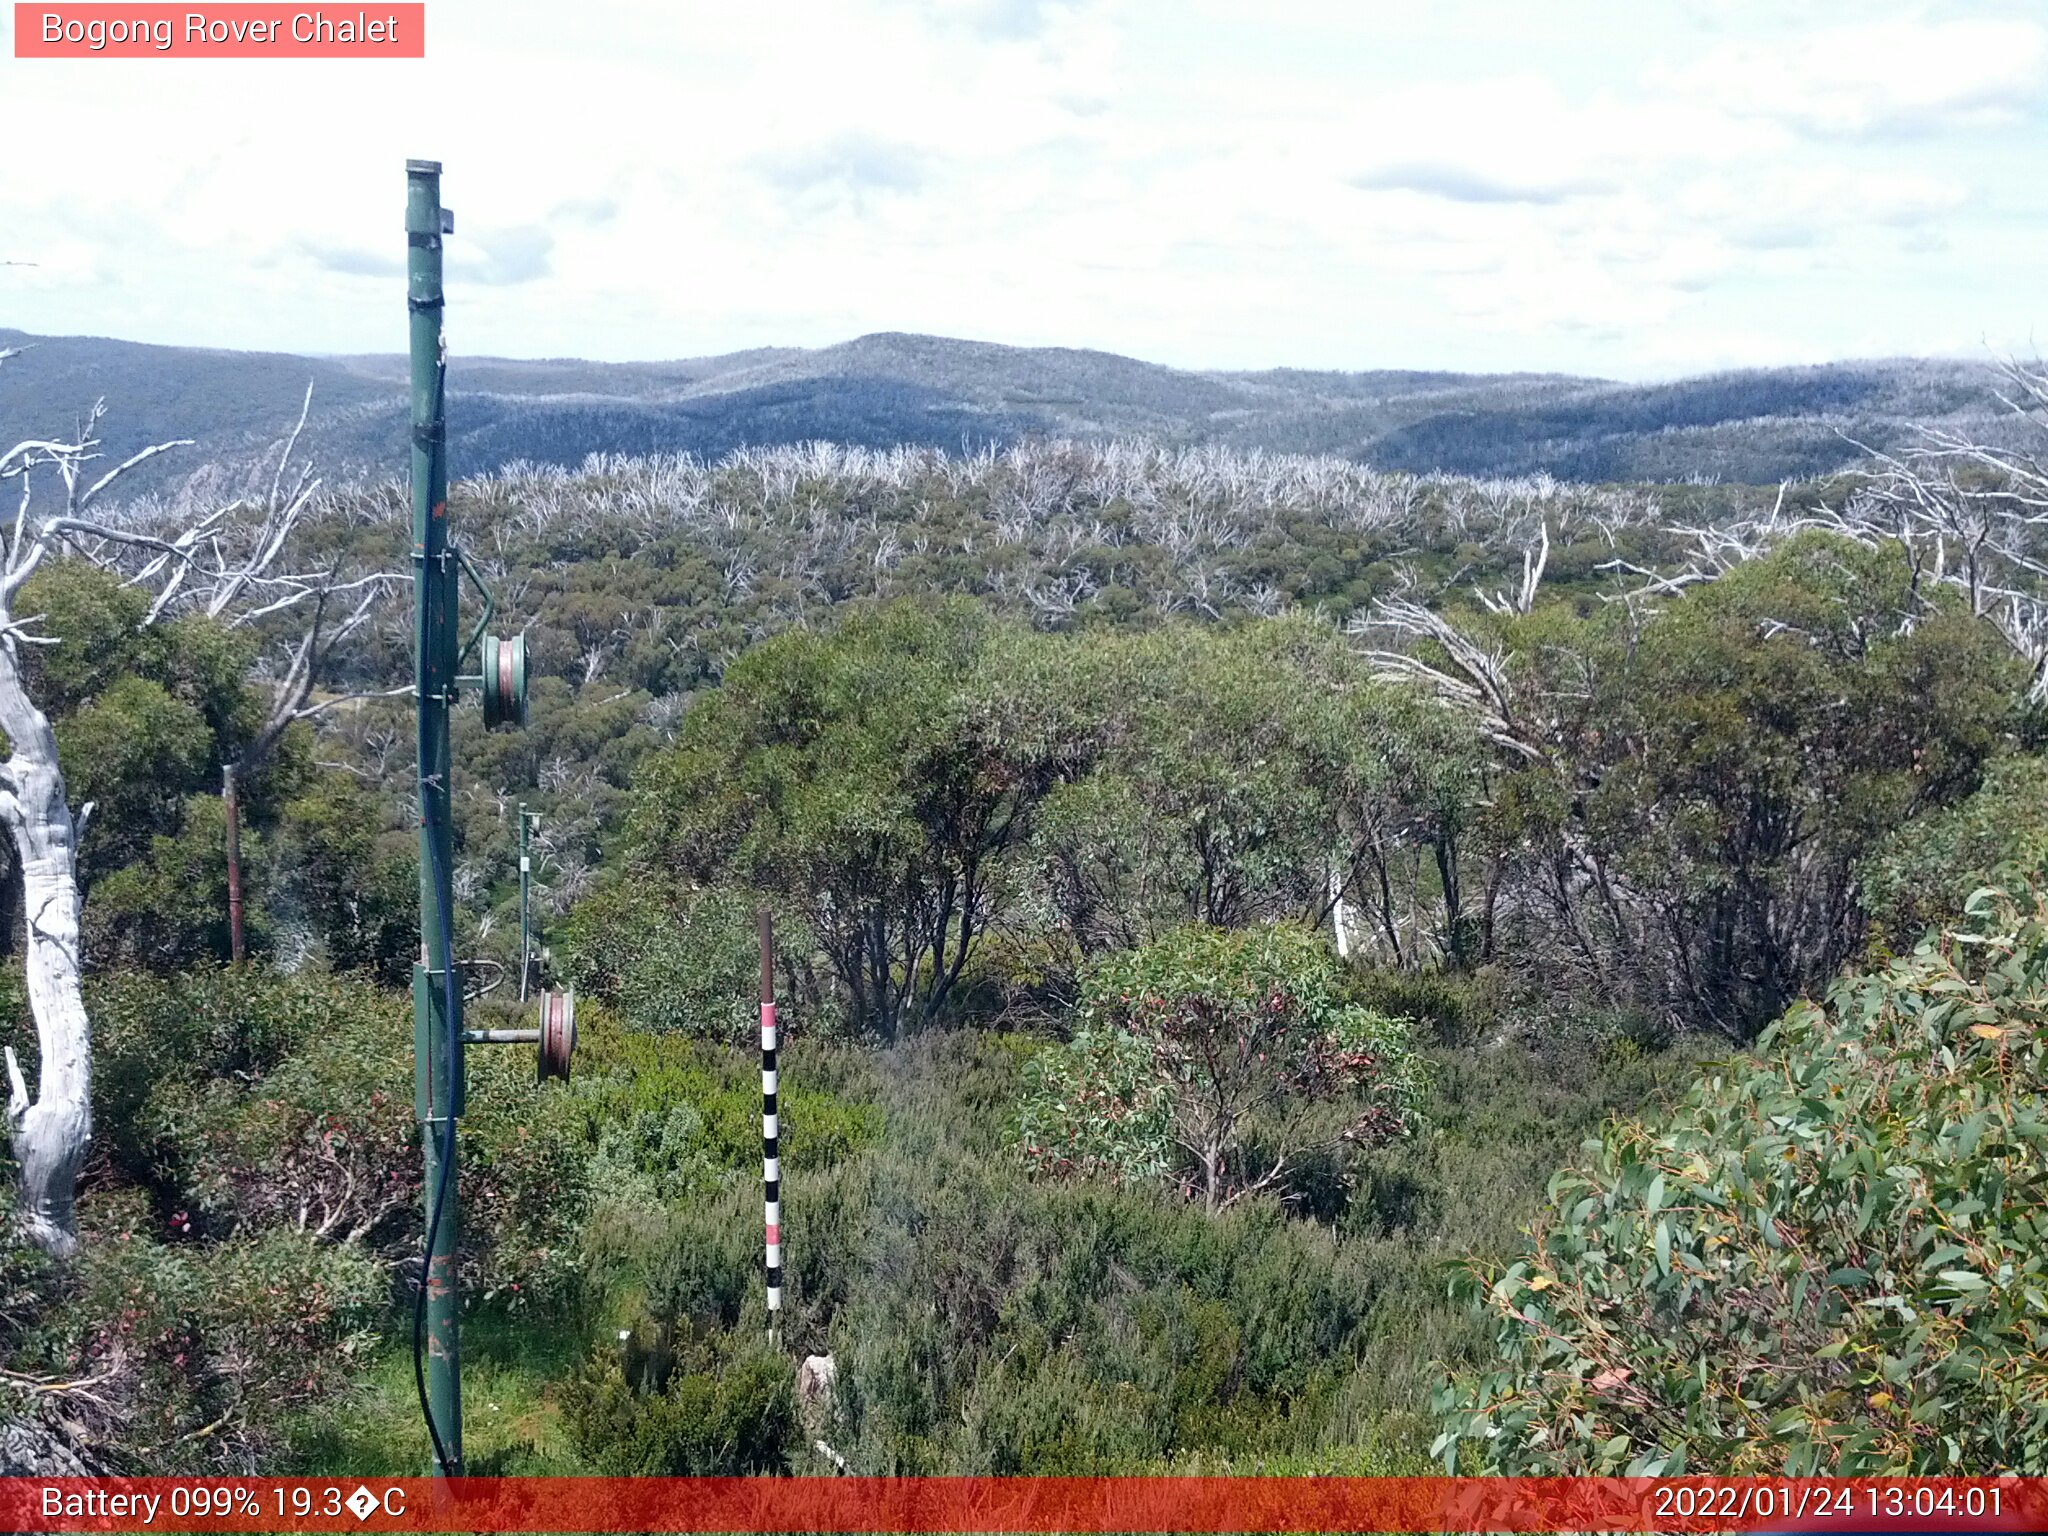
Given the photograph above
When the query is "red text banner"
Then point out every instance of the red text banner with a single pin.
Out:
(1020, 1504)
(232, 31)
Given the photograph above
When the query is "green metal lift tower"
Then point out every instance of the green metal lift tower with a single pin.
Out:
(437, 983)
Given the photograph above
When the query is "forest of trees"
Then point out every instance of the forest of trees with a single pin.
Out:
(893, 389)
(1214, 894)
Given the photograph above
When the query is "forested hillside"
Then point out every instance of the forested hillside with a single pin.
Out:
(1757, 426)
(1215, 891)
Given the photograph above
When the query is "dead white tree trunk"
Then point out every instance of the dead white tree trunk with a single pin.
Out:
(209, 565)
(51, 1130)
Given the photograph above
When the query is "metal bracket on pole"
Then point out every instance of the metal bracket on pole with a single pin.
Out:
(555, 1035)
(484, 591)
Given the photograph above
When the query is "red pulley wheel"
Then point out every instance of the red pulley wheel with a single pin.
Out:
(504, 681)
(557, 1033)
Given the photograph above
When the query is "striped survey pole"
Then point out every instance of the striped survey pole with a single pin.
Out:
(771, 1163)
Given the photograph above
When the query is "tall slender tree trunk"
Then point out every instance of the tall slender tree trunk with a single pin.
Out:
(1457, 935)
(52, 1129)
(1339, 920)
(1390, 919)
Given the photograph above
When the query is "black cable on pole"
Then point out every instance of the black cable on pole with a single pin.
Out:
(419, 1304)
(450, 1003)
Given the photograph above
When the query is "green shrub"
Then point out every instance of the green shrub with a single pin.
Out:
(984, 1320)
(1015, 979)
(168, 908)
(1921, 875)
(1214, 1050)
(1000, 1325)
(158, 1039)
(1451, 1006)
(685, 1387)
(526, 1177)
(1097, 1107)
(317, 1149)
(29, 1280)
(711, 1408)
(1827, 1260)
(246, 1101)
(214, 1345)
(341, 870)
(697, 1263)
(670, 1118)
(689, 966)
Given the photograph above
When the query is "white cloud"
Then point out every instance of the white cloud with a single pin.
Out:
(1890, 76)
(1315, 183)
(1468, 184)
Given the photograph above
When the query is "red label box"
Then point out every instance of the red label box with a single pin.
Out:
(1789, 1506)
(232, 31)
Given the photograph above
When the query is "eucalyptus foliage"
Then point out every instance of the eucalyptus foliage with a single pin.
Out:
(1098, 1108)
(1832, 1258)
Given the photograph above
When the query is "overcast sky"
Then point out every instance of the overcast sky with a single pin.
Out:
(1635, 188)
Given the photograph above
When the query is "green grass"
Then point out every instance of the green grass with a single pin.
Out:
(511, 1423)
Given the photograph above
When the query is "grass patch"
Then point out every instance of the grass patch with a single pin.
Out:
(513, 1362)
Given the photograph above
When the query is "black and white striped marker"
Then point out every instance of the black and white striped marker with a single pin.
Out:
(771, 1162)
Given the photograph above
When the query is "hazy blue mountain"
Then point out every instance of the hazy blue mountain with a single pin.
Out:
(1756, 425)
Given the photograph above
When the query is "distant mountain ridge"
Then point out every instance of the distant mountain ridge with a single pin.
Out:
(1755, 425)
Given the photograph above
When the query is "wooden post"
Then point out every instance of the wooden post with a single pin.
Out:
(232, 799)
